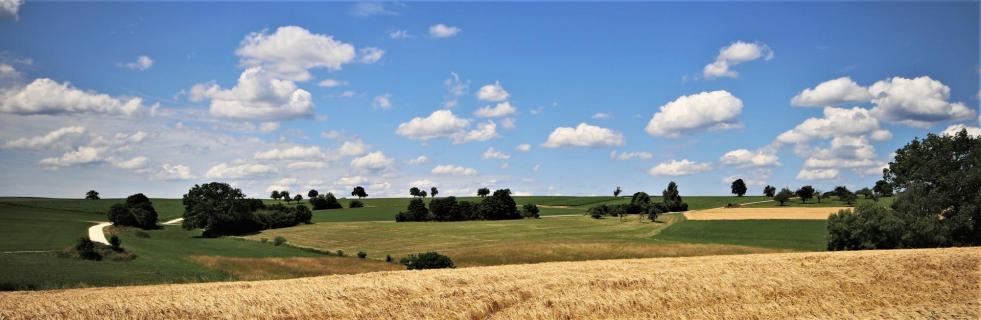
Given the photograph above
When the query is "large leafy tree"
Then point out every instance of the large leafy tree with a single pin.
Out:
(483, 192)
(805, 193)
(784, 196)
(672, 199)
(938, 180)
(359, 192)
(882, 188)
(433, 192)
(738, 187)
(92, 195)
(769, 191)
(616, 192)
(219, 209)
(414, 191)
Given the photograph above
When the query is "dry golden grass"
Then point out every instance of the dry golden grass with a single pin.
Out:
(911, 284)
(291, 267)
(788, 213)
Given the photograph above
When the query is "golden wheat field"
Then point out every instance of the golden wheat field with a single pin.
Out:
(787, 213)
(912, 284)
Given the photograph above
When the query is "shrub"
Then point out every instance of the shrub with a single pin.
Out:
(340, 253)
(388, 258)
(362, 254)
(85, 249)
(116, 243)
(279, 240)
(355, 204)
(868, 226)
(137, 211)
(427, 260)
(529, 210)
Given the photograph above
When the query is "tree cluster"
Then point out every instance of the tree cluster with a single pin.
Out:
(325, 201)
(641, 203)
(137, 211)
(938, 202)
(499, 206)
(221, 210)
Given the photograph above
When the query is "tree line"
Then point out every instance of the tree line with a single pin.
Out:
(498, 206)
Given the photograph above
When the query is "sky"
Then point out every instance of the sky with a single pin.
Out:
(541, 98)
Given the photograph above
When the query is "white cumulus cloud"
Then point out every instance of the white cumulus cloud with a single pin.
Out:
(290, 51)
(370, 54)
(681, 167)
(493, 92)
(256, 96)
(53, 138)
(46, 96)
(454, 170)
(817, 174)
(238, 171)
(291, 153)
(492, 153)
(642, 155)
(746, 158)
(502, 109)
(443, 31)
(734, 54)
(918, 102)
(706, 110)
(583, 135)
(142, 63)
(832, 92)
(375, 161)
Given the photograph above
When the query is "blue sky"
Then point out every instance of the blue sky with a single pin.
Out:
(603, 94)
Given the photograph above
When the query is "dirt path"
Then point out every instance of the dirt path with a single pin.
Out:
(174, 221)
(97, 235)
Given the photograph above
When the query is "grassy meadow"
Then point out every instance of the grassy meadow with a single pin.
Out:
(882, 284)
(173, 255)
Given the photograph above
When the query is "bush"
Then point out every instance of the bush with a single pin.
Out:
(529, 210)
(388, 258)
(428, 260)
(362, 254)
(340, 253)
(355, 204)
(280, 216)
(116, 243)
(279, 240)
(85, 249)
(868, 226)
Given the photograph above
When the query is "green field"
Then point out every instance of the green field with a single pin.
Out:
(171, 254)
(800, 235)
(164, 257)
